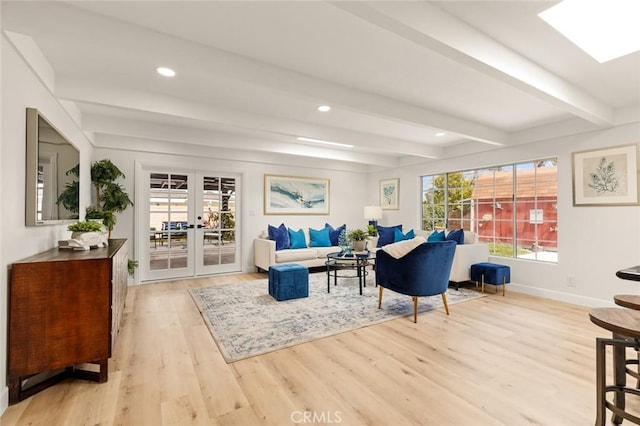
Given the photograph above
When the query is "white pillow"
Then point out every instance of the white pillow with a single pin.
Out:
(401, 248)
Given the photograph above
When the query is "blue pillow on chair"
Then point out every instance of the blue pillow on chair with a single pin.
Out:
(297, 239)
(334, 234)
(319, 237)
(457, 236)
(280, 235)
(436, 236)
(399, 236)
(387, 234)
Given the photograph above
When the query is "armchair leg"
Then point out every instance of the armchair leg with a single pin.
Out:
(380, 296)
(444, 300)
(415, 309)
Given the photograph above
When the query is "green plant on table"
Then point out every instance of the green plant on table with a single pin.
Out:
(89, 226)
(357, 235)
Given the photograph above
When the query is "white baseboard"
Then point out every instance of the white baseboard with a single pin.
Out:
(4, 399)
(560, 296)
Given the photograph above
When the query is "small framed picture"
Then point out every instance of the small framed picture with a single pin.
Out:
(607, 176)
(390, 194)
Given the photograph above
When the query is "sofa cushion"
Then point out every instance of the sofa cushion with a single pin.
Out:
(292, 256)
(297, 239)
(436, 236)
(457, 236)
(386, 234)
(335, 233)
(324, 251)
(319, 237)
(399, 236)
(280, 235)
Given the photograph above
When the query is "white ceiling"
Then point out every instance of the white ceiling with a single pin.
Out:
(251, 74)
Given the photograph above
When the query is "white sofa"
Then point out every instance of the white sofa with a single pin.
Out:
(265, 254)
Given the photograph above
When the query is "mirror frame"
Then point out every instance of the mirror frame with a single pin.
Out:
(31, 172)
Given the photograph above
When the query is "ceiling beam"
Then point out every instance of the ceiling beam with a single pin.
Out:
(431, 27)
(224, 118)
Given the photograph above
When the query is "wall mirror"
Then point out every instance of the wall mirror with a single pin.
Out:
(52, 170)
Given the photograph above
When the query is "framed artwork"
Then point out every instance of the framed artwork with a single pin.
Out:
(295, 195)
(390, 194)
(607, 176)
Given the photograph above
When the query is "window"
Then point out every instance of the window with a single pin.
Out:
(511, 207)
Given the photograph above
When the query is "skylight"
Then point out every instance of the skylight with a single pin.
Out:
(605, 29)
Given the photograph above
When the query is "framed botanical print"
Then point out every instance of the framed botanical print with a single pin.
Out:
(390, 194)
(607, 176)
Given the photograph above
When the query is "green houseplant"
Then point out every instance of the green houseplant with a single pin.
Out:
(70, 196)
(88, 226)
(358, 236)
(110, 195)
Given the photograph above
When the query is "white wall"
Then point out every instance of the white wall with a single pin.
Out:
(21, 88)
(347, 189)
(593, 242)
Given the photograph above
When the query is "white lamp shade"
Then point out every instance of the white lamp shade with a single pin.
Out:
(372, 212)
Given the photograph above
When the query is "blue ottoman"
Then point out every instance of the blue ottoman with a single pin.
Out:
(491, 273)
(288, 281)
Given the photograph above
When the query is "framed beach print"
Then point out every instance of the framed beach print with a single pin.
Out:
(607, 176)
(295, 195)
(390, 194)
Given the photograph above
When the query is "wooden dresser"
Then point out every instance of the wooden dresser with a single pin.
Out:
(64, 311)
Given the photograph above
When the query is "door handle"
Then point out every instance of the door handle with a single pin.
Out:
(200, 226)
(190, 226)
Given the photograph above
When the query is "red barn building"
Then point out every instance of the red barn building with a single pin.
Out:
(536, 216)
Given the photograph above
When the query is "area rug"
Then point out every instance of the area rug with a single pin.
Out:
(246, 321)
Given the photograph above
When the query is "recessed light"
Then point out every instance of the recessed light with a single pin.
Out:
(320, 141)
(606, 30)
(324, 108)
(166, 72)
(440, 134)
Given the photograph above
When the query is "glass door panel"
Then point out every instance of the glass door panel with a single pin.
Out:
(169, 239)
(219, 248)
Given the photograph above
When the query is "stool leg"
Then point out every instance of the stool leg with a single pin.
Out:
(619, 377)
(601, 411)
(483, 283)
(504, 284)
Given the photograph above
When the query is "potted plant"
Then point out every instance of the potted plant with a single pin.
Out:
(70, 196)
(359, 237)
(110, 196)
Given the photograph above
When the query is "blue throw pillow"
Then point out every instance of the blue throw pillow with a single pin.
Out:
(319, 237)
(387, 234)
(280, 235)
(457, 236)
(297, 239)
(436, 236)
(399, 236)
(334, 234)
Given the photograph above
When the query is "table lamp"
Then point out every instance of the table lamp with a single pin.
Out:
(373, 213)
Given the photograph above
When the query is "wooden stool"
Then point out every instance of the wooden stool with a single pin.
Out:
(625, 327)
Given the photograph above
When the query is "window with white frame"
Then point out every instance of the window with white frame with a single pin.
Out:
(512, 207)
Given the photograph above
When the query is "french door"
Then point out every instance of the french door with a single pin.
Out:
(192, 224)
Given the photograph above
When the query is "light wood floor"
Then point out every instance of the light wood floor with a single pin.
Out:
(516, 360)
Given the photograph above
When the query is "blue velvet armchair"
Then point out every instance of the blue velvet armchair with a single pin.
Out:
(424, 271)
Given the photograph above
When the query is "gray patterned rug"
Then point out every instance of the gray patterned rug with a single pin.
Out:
(245, 321)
